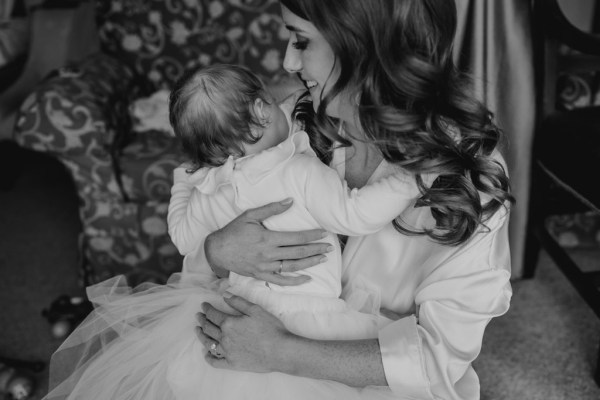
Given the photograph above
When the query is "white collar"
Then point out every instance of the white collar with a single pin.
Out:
(254, 167)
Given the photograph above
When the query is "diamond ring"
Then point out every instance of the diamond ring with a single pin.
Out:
(213, 350)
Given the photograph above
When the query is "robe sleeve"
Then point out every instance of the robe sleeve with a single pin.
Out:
(429, 355)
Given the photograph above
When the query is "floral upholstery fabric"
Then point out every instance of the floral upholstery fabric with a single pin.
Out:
(578, 90)
(81, 115)
(147, 164)
(193, 33)
(581, 230)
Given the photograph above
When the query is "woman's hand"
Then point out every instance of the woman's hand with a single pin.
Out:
(249, 341)
(255, 340)
(246, 247)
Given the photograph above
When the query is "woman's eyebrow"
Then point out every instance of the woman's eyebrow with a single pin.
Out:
(292, 28)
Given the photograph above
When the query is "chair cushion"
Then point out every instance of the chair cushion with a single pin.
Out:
(568, 144)
(147, 164)
(130, 239)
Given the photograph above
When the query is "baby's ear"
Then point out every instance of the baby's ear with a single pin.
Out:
(261, 110)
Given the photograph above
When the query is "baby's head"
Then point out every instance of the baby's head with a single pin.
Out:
(224, 110)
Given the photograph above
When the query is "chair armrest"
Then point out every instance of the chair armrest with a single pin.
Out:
(80, 115)
(78, 109)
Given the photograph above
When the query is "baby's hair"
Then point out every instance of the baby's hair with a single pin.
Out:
(211, 112)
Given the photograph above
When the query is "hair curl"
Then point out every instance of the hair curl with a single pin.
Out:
(414, 105)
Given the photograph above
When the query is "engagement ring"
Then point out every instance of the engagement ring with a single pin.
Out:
(213, 350)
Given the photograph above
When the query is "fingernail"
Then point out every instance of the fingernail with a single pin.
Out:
(330, 248)
(322, 259)
(227, 295)
(324, 234)
(287, 201)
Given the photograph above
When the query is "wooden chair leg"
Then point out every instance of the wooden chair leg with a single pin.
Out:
(535, 221)
(532, 252)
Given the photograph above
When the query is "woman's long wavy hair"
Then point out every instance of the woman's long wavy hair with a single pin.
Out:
(395, 57)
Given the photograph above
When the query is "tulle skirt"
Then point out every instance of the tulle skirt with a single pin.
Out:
(139, 344)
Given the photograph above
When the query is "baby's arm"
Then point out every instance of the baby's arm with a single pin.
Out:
(358, 211)
(185, 227)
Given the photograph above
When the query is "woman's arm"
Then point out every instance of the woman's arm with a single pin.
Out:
(352, 362)
(258, 341)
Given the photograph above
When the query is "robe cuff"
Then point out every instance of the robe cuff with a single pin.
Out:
(402, 357)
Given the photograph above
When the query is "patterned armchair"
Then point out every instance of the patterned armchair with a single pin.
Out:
(81, 114)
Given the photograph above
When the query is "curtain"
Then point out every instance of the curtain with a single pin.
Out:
(493, 43)
(6, 7)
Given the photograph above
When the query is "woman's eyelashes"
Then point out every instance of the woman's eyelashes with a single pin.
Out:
(300, 44)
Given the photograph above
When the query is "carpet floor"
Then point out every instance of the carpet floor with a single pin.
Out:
(545, 347)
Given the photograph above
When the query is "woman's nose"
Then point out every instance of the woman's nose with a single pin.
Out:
(291, 61)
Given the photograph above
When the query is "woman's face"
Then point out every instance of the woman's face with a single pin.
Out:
(309, 55)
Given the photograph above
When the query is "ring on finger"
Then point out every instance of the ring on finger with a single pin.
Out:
(214, 350)
(280, 267)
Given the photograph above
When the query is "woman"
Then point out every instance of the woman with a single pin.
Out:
(441, 270)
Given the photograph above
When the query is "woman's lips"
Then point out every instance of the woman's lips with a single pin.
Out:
(311, 86)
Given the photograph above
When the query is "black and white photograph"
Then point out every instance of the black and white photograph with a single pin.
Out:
(299, 199)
